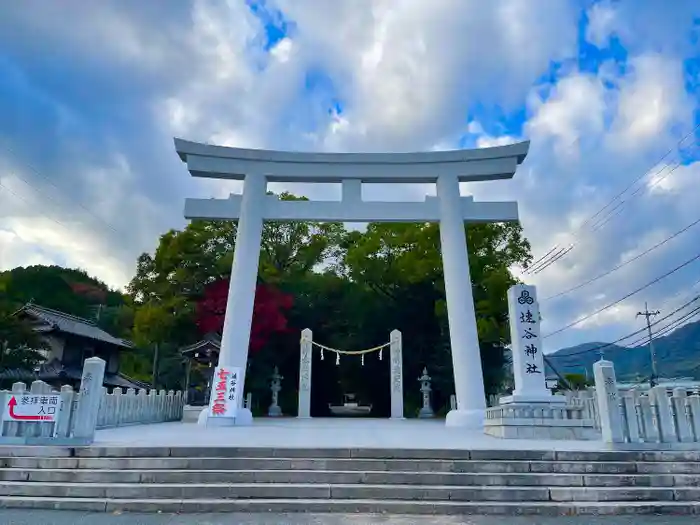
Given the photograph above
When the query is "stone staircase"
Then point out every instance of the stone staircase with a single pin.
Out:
(172, 480)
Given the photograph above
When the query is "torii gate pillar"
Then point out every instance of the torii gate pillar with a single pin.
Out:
(446, 168)
(461, 316)
(235, 338)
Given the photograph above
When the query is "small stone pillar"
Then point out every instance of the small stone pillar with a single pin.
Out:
(85, 419)
(396, 374)
(275, 387)
(608, 402)
(426, 411)
(305, 360)
(664, 414)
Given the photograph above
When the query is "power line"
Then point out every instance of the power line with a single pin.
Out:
(584, 318)
(2, 186)
(659, 333)
(622, 265)
(15, 194)
(637, 332)
(561, 252)
(676, 323)
(537, 262)
(599, 225)
(605, 219)
(542, 264)
(47, 179)
(620, 206)
(614, 303)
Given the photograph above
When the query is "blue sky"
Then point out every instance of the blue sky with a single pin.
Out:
(93, 93)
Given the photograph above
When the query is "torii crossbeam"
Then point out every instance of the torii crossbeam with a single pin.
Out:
(445, 168)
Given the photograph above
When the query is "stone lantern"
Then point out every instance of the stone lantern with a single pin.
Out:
(275, 387)
(426, 411)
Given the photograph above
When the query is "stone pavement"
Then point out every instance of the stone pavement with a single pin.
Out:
(318, 433)
(48, 517)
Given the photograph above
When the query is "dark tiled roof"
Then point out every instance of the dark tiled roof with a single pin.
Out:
(70, 324)
(211, 342)
(54, 370)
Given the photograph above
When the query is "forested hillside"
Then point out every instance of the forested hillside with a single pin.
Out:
(677, 355)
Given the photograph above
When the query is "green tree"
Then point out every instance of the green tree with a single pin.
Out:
(350, 288)
(578, 381)
(67, 290)
(169, 282)
(19, 345)
(402, 262)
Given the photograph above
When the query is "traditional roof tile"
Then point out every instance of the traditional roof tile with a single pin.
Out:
(54, 370)
(62, 322)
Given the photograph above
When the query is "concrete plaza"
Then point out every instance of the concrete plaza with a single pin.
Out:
(328, 433)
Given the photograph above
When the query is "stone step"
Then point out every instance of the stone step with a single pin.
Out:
(351, 506)
(347, 477)
(379, 453)
(186, 491)
(323, 464)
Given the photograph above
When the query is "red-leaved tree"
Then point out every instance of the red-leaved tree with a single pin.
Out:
(269, 312)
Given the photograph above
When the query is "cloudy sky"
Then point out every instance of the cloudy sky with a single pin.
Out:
(92, 93)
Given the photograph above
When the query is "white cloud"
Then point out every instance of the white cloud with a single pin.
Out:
(408, 75)
(602, 19)
(575, 108)
(651, 101)
(283, 49)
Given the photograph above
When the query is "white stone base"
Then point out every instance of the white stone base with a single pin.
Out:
(539, 420)
(472, 419)
(190, 414)
(243, 418)
(530, 399)
(529, 429)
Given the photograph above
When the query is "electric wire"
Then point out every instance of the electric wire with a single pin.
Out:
(540, 264)
(46, 195)
(636, 332)
(622, 265)
(627, 296)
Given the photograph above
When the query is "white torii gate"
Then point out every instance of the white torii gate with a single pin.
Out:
(446, 168)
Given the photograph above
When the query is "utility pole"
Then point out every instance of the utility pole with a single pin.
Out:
(648, 315)
(155, 366)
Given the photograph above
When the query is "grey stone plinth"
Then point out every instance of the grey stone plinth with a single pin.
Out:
(539, 421)
(549, 399)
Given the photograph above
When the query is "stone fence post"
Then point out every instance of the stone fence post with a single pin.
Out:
(85, 420)
(608, 402)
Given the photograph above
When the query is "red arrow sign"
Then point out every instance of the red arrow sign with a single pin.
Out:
(13, 403)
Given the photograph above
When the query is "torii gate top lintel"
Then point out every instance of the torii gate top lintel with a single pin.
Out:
(469, 165)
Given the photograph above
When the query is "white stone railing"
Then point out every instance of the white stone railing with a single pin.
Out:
(586, 400)
(655, 416)
(120, 409)
(75, 416)
(534, 412)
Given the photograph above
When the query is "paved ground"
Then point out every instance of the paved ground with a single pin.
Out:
(327, 433)
(37, 517)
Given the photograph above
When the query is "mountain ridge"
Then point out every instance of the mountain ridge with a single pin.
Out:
(677, 355)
